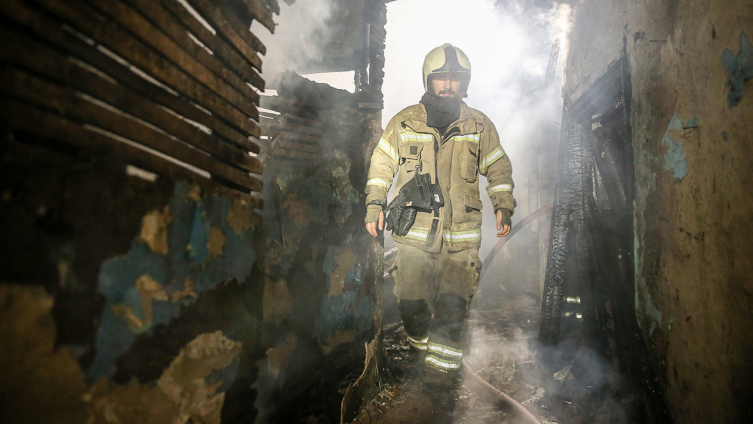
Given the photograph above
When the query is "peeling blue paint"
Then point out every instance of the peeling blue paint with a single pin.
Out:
(328, 194)
(189, 227)
(739, 69)
(724, 136)
(692, 123)
(351, 310)
(674, 159)
(671, 321)
(198, 241)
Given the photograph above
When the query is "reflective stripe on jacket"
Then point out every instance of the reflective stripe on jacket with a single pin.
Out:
(470, 146)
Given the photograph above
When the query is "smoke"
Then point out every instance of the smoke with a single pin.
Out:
(302, 30)
(585, 387)
(508, 46)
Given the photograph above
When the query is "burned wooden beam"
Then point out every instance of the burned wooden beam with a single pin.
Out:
(169, 24)
(88, 51)
(123, 44)
(206, 71)
(260, 13)
(46, 124)
(233, 57)
(236, 32)
(66, 103)
(58, 68)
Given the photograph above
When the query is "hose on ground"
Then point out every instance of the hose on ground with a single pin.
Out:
(503, 397)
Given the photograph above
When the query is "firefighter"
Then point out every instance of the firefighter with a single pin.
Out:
(439, 146)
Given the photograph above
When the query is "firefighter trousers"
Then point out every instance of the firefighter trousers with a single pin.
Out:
(434, 291)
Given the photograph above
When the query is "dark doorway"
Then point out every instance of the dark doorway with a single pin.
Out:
(588, 312)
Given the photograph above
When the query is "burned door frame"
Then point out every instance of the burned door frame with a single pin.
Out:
(590, 267)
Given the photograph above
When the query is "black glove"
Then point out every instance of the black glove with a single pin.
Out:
(400, 220)
(416, 194)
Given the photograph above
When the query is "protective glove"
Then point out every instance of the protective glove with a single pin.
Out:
(399, 217)
(404, 219)
(506, 220)
(417, 194)
(372, 213)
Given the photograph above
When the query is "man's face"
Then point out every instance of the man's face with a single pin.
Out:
(445, 85)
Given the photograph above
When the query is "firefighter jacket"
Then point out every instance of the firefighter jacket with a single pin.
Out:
(469, 147)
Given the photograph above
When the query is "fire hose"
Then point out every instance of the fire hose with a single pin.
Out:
(515, 228)
(468, 371)
(519, 409)
(503, 397)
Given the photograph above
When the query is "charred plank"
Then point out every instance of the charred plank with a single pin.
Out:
(56, 67)
(122, 43)
(221, 49)
(68, 104)
(88, 51)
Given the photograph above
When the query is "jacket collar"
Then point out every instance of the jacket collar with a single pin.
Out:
(466, 123)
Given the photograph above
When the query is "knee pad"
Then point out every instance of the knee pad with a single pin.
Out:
(416, 316)
(449, 313)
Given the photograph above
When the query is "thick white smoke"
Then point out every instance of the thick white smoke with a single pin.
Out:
(302, 29)
(508, 47)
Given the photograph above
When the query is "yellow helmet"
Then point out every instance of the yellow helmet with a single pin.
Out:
(447, 59)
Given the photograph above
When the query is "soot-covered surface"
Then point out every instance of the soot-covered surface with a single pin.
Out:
(570, 383)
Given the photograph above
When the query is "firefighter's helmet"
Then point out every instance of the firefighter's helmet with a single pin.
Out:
(447, 59)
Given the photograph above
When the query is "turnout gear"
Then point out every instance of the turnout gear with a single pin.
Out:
(416, 316)
(417, 194)
(439, 146)
(469, 147)
(449, 312)
(447, 59)
(442, 283)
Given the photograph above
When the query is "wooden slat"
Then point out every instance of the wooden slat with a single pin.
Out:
(235, 75)
(293, 136)
(122, 43)
(214, 43)
(44, 94)
(260, 13)
(289, 117)
(45, 124)
(52, 32)
(290, 145)
(294, 154)
(238, 34)
(228, 85)
(276, 125)
(53, 65)
(291, 163)
(281, 104)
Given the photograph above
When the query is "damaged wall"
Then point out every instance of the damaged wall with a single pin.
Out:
(690, 66)
(322, 270)
(139, 282)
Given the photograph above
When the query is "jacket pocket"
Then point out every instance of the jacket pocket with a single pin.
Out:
(410, 158)
(470, 146)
